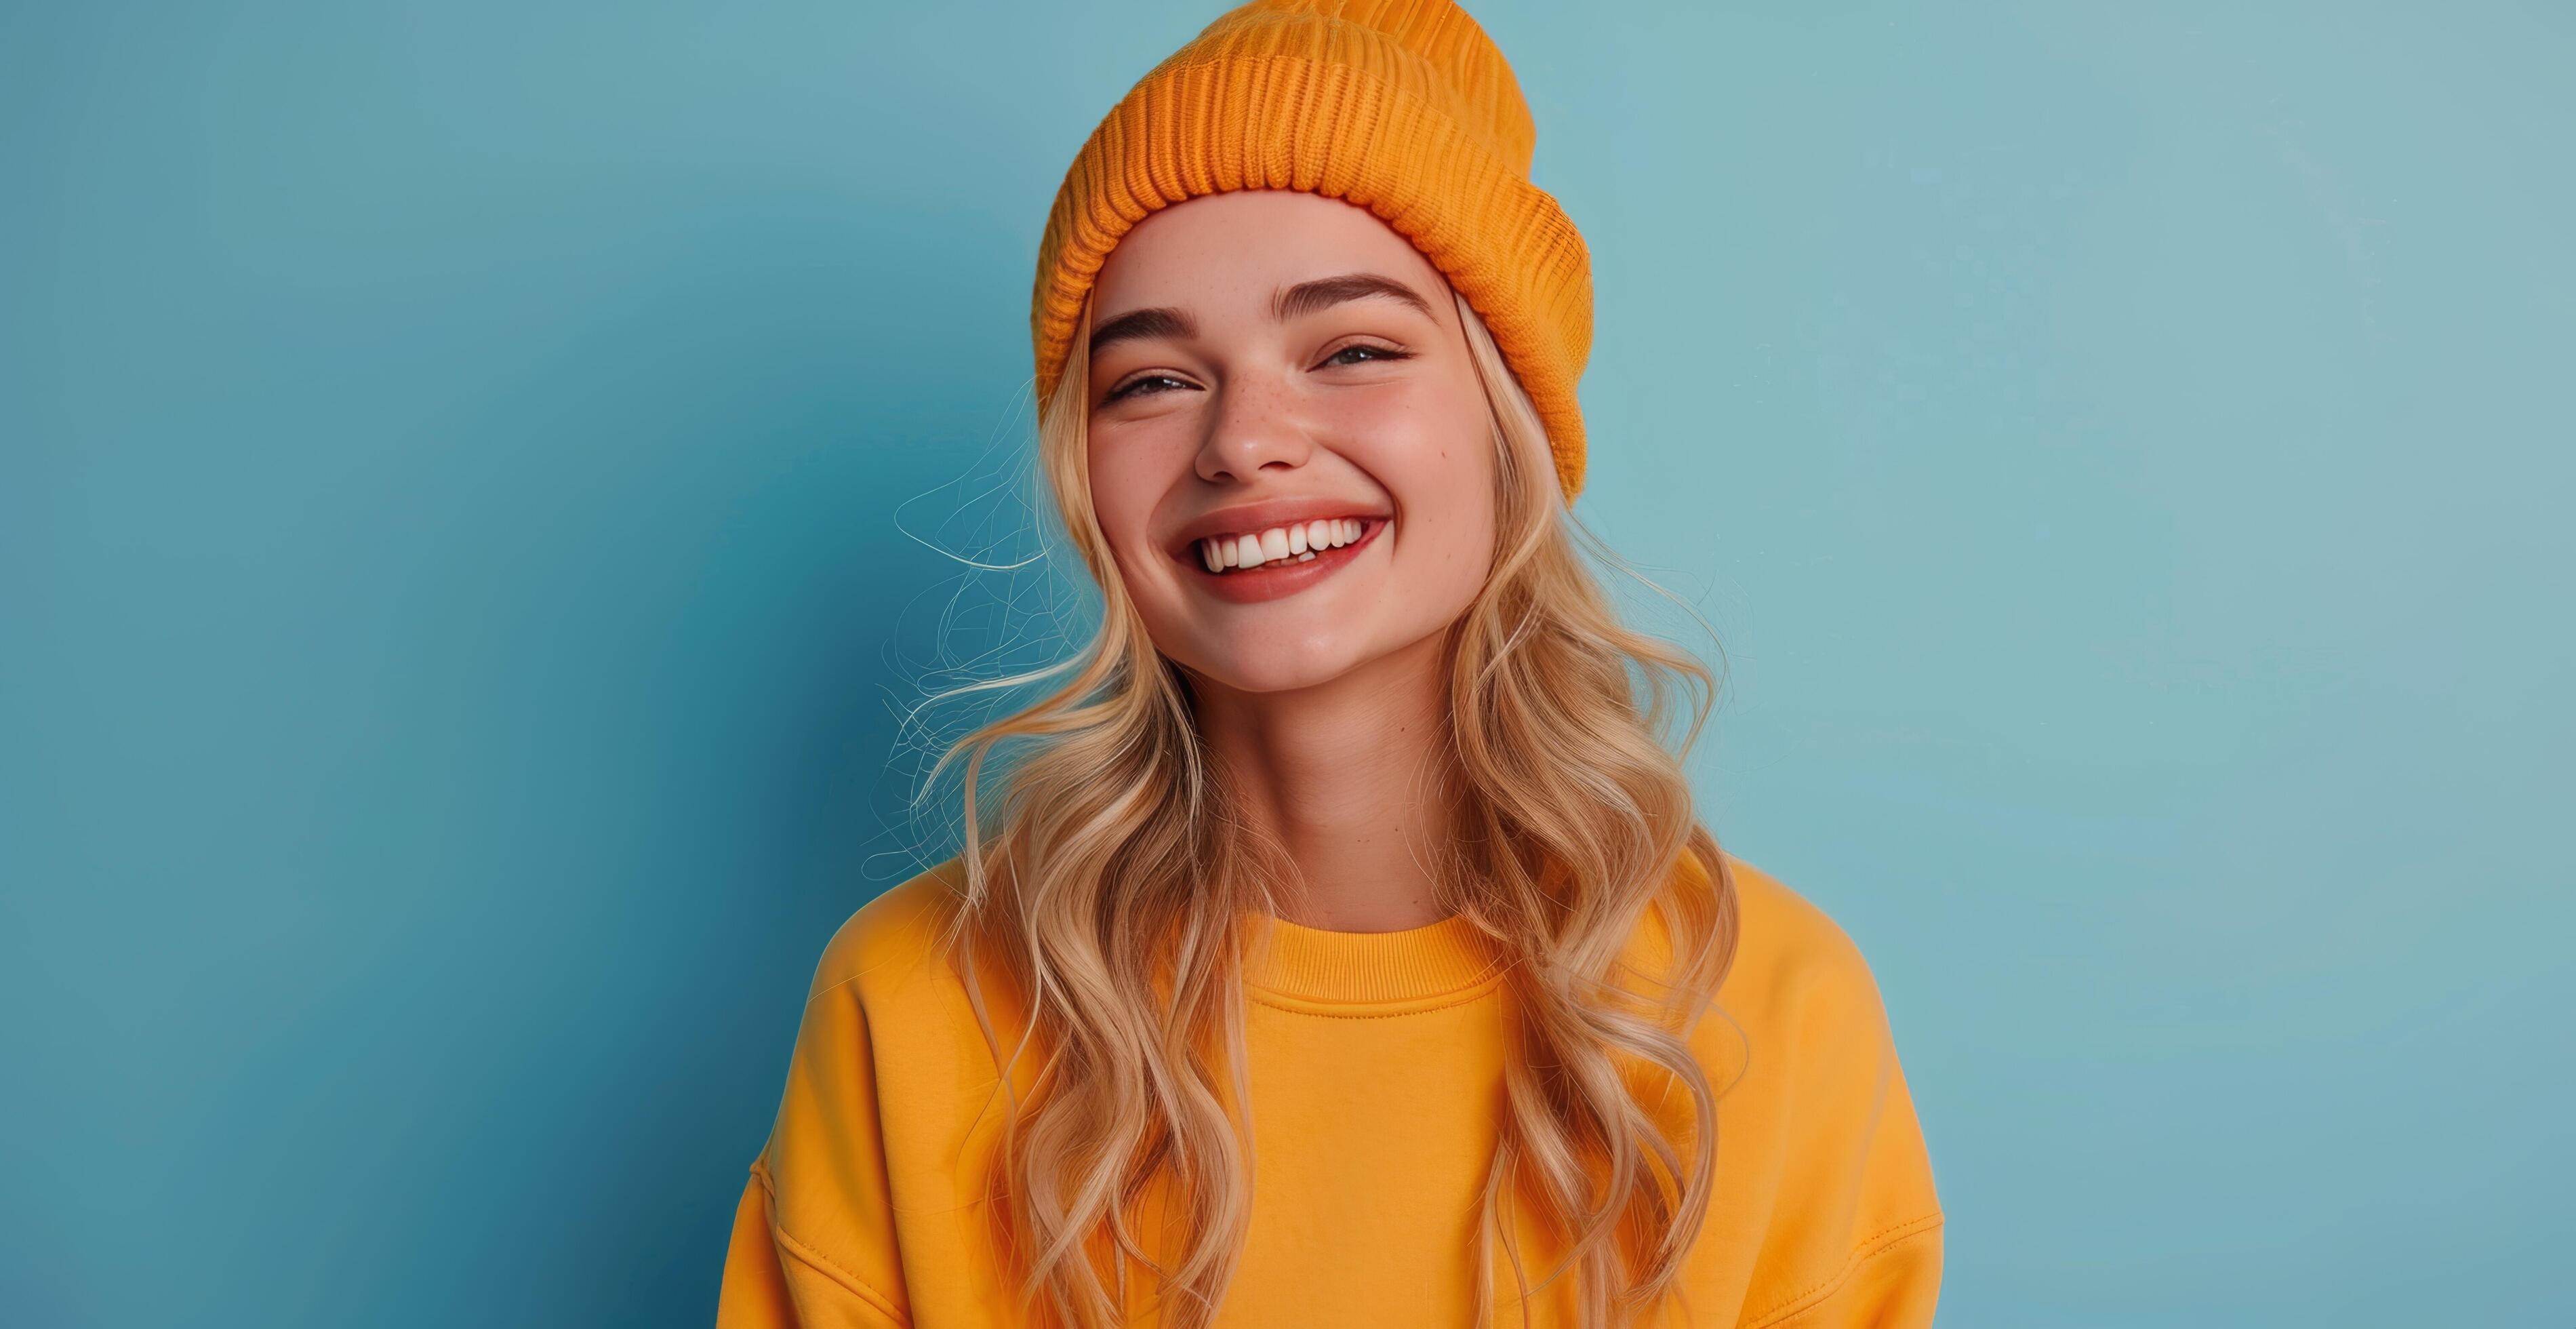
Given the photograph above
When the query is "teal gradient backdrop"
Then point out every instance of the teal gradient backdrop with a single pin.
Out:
(453, 608)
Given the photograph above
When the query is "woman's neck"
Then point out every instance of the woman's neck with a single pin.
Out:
(1347, 777)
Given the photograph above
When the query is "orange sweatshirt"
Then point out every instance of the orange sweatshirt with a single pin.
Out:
(1376, 1059)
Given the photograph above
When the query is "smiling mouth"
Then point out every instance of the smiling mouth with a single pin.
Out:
(1300, 542)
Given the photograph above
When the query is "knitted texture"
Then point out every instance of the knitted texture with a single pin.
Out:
(1403, 107)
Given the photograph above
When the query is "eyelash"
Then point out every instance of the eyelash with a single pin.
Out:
(1128, 389)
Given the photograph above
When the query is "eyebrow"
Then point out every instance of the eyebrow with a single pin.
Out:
(1289, 302)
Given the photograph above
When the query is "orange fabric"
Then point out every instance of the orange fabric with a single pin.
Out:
(1376, 1062)
(1403, 107)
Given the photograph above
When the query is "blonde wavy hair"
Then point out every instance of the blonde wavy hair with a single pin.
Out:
(1111, 877)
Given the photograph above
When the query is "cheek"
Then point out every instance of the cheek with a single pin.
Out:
(1433, 451)
(1124, 486)
(1463, 538)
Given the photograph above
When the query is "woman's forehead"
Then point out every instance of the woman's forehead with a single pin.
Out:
(1240, 248)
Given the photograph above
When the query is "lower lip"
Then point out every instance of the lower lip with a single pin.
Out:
(1281, 577)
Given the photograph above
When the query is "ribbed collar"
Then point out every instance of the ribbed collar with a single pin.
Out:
(1366, 968)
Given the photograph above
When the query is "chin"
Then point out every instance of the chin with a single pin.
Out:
(1255, 669)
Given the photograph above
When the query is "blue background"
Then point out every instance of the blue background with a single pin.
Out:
(455, 613)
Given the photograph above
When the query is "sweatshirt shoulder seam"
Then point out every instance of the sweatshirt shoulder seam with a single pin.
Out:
(824, 1264)
(1869, 1248)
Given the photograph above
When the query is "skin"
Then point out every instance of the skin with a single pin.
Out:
(1328, 705)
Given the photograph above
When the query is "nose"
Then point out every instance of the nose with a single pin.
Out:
(1254, 428)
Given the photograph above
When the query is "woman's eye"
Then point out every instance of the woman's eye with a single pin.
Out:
(1374, 352)
(1134, 387)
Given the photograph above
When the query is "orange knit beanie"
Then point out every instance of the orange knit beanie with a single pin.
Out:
(1403, 107)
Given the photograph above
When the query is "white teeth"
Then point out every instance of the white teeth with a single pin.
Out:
(1301, 541)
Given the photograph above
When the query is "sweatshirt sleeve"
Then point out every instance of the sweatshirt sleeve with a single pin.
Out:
(1854, 1237)
(754, 1294)
(814, 1236)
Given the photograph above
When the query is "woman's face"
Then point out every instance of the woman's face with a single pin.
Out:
(1280, 385)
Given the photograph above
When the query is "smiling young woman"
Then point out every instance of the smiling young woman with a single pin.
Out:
(1337, 943)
